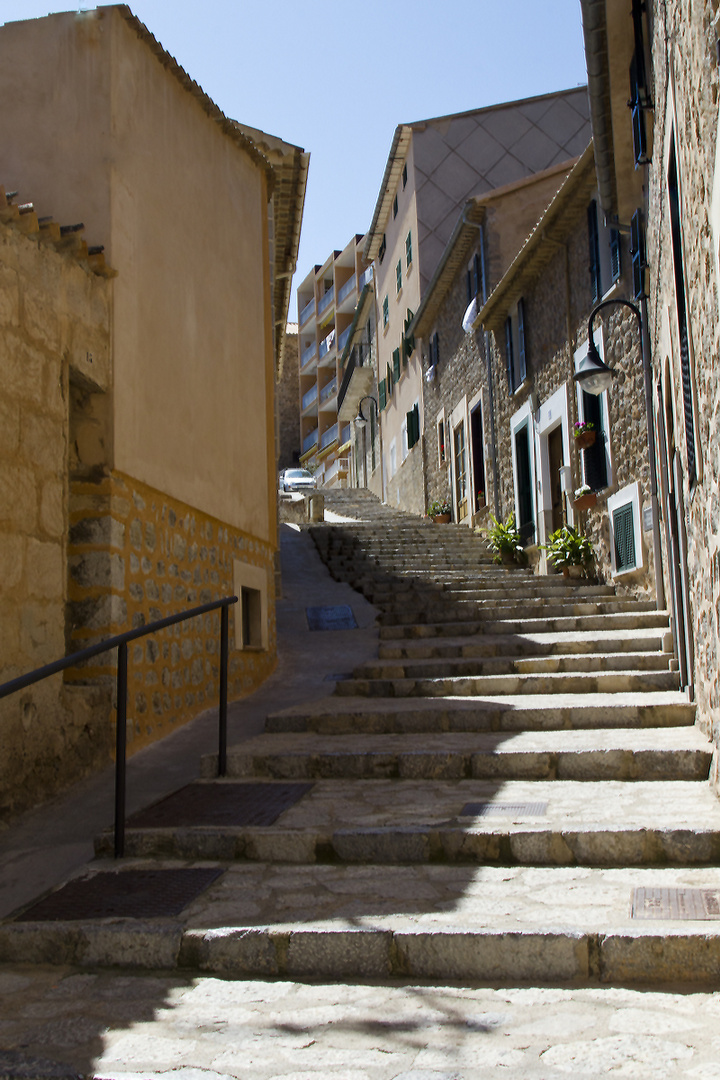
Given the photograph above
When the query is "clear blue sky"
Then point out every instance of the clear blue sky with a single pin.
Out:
(336, 77)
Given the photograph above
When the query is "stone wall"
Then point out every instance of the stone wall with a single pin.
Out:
(54, 328)
(287, 406)
(684, 54)
(406, 489)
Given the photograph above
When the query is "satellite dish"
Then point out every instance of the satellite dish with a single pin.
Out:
(470, 315)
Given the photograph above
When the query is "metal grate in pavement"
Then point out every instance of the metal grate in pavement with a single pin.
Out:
(520, 809)
(228, 804)
(123, 894)
(676, 904)
(339, 617)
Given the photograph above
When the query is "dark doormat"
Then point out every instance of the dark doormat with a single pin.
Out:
(339, 617)
(123, 894)
(220, 804)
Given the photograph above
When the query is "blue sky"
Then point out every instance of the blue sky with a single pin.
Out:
(336, 77)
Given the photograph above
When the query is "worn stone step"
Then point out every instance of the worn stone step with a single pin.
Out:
(479, 924)
(560, 682)
(337, 715)
(504, 665)
(621, 754)
(436, 611)
(482, 590)
(456, 628)
(541, 644)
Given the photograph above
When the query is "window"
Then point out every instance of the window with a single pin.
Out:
(595, 458)
(626, 551)
(408, 339)
(398, 276)
(638, 255)
(395, 207)
(639, 93)
(460, 470)
(404, 175)
(382, 394)
(412, 420)
(386, 312)
(441, 440)
(515, 349)
(523, 480)
(382, 249)
(408, 249)
(250, 614)
(604, 253)
(396, 365)
(475, 278)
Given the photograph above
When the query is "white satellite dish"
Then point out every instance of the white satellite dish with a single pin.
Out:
(470, 315)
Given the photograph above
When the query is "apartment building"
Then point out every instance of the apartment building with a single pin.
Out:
(327, 299)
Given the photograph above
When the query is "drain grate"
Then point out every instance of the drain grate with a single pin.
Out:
(123, 894)
(676, 904)
(519, 809)
(339, 617)
(220, 804)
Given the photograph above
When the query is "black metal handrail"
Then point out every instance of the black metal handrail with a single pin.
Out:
(120, 642)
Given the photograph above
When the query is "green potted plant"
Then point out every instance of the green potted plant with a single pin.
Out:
(480, 502)
(504, 542)
(440, 511)
(567, 548)
(584, 497)
(585, 434)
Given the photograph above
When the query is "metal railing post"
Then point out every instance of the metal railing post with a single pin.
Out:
(120, 750)
(222, 718)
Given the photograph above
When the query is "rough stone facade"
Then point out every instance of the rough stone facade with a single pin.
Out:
(686, 91)
(287, 403)
(406, 489)
(54, 328)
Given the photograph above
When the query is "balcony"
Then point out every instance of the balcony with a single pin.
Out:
(308, 354)
(309, 441)
(328, 436)
(365, 278)
(342, 340)
(326, 301)
(326, 344)
(307, 311)
(336, 471)
(309, 397)
(328, 391)
(346, 434)
(347, 288)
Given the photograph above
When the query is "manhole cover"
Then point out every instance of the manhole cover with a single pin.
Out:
(520, 809)
(220, 804)
(123, 894)
(331, 618)
(676, 904)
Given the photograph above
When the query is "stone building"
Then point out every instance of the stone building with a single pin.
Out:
(459, 441)
(287, 402)
(433, 168)
(164, 473)
(658, 176)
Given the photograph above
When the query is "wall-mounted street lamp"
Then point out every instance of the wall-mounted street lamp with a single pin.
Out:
(361, 420)
(595, 376)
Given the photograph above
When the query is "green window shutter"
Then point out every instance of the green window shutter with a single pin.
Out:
(396, 364)
(386, 311)
(398, 276)
(389, 379)
(624, 537)
(522, 362)
(383, 248)
(594, 251)
(614, 255)
(509, 355)
(416, 423)
(382, 394)
(408, 248)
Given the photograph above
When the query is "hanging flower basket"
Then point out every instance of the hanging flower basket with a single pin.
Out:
(586, 439)
(584, 502)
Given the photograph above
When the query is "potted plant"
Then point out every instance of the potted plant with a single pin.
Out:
(504, 542)
(584, 497)
(480, 500)
(584, 432)
(440, 511)
(567, 550)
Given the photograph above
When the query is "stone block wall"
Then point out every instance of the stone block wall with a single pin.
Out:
(136, 555)
(54, 328)
(287, 405)
(406, 489)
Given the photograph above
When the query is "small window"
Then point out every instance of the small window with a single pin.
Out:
(624, 538)
(441, 441)
(386, 312)
(404, 175)
(515, 348)
(413, 425)
(604, 253)
(382, 394)
(395, 207)
(396, 365)
(382, 249)
(250, 614)
(408, 249)
(398, 276)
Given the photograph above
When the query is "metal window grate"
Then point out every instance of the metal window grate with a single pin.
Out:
(686, 904)
(485, 809)
(624, 538)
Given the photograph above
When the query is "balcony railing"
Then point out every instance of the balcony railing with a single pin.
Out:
(307, 311)
(328, 436)
(342, 340)
(326, 344)
(309, 441)
(345, 434)
(325, 301)
(309, 397)
(365, 277)
(328, 391)
(347, 288)
(308, 354)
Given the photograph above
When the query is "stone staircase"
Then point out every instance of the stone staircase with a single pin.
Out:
(514, 789)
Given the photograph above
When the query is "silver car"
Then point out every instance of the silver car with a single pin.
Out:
(298, 480)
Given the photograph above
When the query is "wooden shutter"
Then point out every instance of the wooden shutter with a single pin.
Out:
(382, 394)
(614, 255)
(624, 537)
(509, 355)
(522, 364)
(396, 364)
(594, 458)
(594, 251)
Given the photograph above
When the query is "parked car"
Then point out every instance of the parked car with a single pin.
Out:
(297, 480)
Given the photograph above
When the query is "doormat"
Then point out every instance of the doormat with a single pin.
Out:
(520, 809)
(220, 804)
(339, 617)
(676, 904)
(123, 894)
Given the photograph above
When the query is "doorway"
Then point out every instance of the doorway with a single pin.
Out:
(556, 461)
(478, 456)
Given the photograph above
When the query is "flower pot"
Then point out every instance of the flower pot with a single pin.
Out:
(574, 571)
(441, 519)
(585, 439)
(507, 558)
(584, 502)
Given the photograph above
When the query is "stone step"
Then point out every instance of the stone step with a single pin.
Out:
(504, 665)
(339, 715)
(486, 590)
(456, 628)
(438, 610)
(560, 682)
(485, 924)
(537, 644)
(622, 754)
